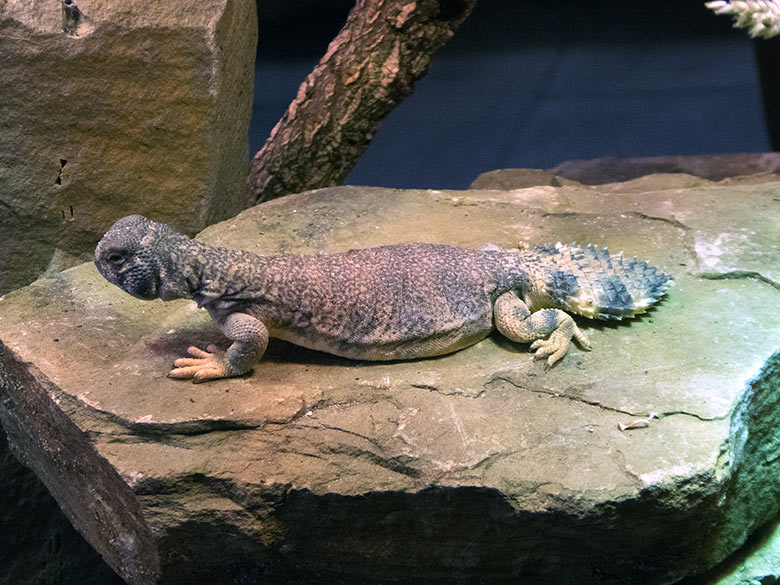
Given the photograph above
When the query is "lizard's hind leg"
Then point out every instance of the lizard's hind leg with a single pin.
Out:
(548, 330)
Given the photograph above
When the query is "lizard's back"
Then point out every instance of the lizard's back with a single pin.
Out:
(390, 302)
(417, 300)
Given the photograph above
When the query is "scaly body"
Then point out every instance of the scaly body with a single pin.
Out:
(402, 301)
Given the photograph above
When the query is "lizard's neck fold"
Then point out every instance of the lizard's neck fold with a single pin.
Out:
(206, 273)
(181, 269)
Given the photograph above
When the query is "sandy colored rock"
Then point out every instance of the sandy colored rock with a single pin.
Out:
(508, 179)
(713, 167)
(729, 168)
(480, 465)
(113, 107)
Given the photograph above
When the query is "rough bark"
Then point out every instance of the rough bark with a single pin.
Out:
(369, 68)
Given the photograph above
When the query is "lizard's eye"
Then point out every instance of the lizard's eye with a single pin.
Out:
(115, 258)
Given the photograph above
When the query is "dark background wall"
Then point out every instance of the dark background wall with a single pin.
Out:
(531, 83)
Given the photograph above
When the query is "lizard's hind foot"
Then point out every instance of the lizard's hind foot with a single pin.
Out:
(557, 344)
(549, 330)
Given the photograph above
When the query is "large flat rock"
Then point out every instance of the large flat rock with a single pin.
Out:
(480, 466)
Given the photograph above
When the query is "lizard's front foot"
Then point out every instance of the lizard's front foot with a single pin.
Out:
(204, 365)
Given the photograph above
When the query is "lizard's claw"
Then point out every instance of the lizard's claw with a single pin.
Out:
(203, 366)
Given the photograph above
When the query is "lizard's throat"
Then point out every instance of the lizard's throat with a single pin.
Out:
(167, 294)
(171, 289)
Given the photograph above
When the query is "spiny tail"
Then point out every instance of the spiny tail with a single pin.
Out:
(590, 281)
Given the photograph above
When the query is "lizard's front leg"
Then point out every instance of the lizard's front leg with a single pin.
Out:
(550, 330)
(249, 337)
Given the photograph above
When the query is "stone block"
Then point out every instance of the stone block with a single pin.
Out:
(108, 108)
(650, 458)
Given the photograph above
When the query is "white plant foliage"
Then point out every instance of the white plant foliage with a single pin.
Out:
(760, 17)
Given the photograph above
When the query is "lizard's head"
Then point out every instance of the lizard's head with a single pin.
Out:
(132, 253)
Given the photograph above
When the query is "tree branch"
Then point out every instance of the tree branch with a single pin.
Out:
(369, 68)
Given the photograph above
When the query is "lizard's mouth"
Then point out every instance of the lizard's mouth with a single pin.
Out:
(147, 290)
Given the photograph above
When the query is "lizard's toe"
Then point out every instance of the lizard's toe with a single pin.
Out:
(582, 339)
(197, 352)
(210, 373)
(553, 348)
(205, 365)
(185, 372)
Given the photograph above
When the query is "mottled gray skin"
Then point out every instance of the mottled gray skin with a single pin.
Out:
(392, 302)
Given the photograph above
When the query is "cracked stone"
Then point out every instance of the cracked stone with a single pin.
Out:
(477, 465)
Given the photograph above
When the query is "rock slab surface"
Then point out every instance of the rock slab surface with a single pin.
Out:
(108, 108)
(480, 466)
